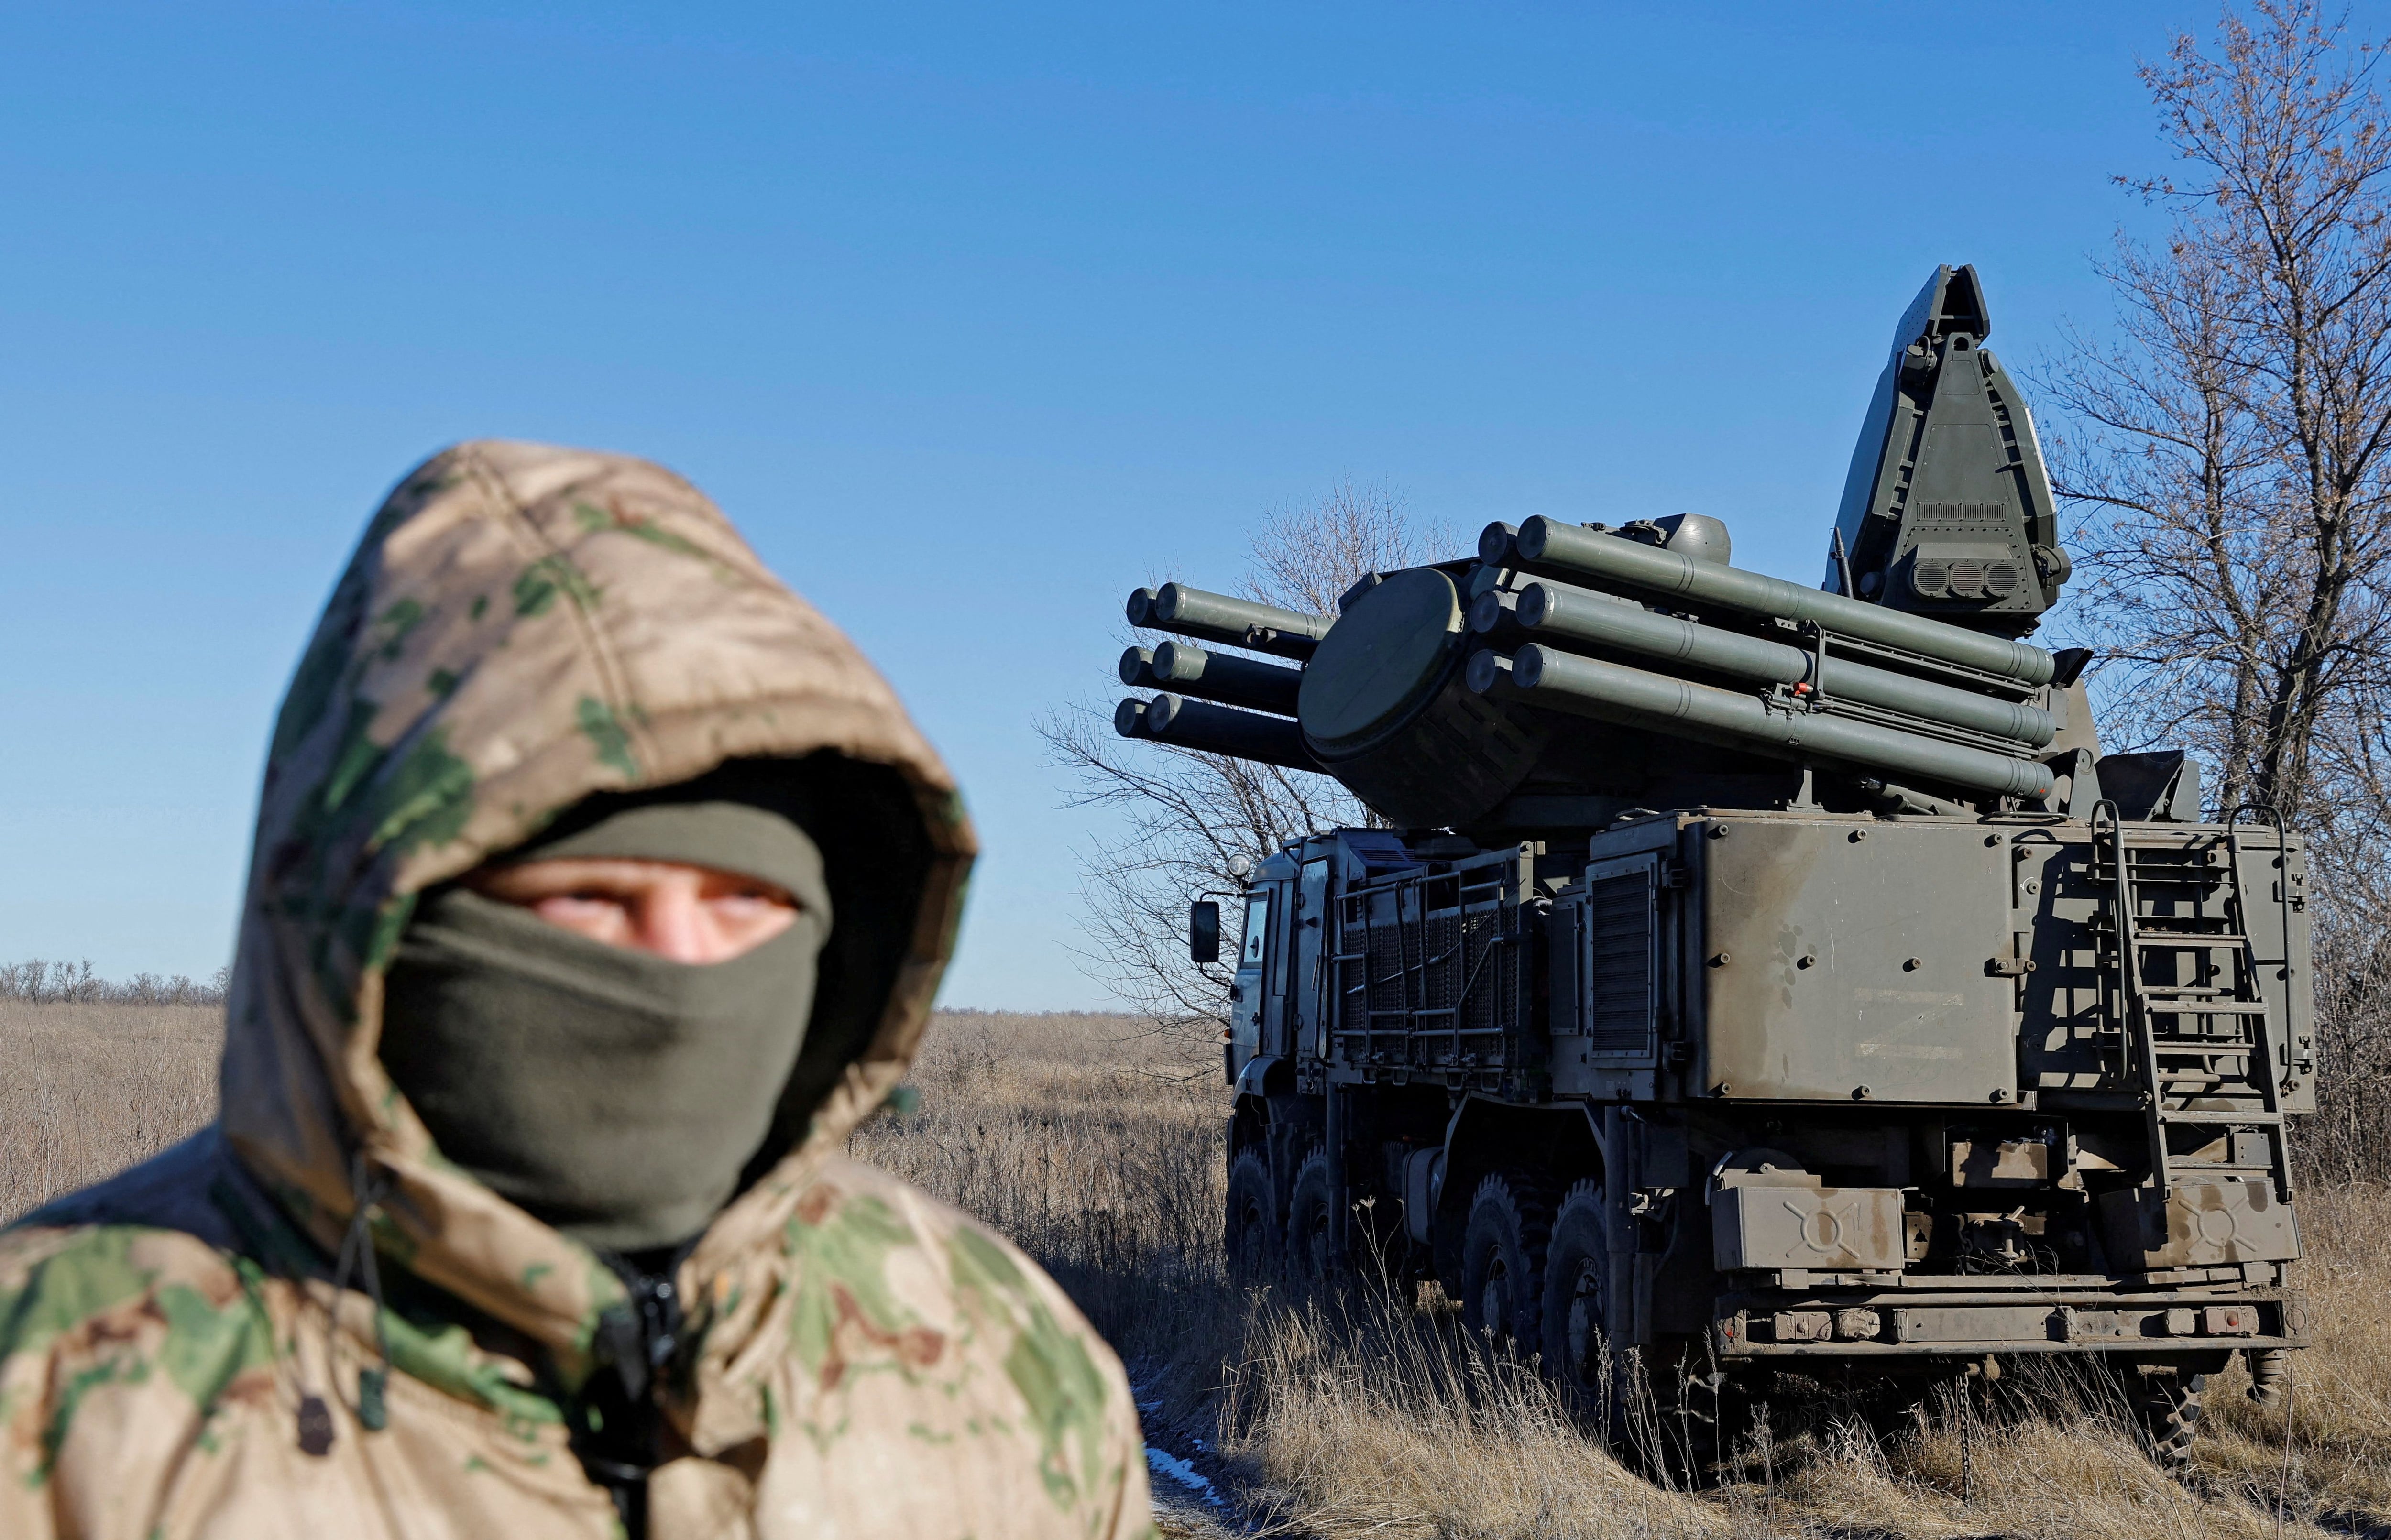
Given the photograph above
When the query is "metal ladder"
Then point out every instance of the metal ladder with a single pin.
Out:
(2181, 1035)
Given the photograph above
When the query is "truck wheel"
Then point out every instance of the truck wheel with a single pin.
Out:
(2168, 1401)
(1502, 1260)
(1577, 1273)
(1252, 1233)
(1307, 1218)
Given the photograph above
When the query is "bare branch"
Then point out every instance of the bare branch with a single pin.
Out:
(1188, 814)
(2229, 459)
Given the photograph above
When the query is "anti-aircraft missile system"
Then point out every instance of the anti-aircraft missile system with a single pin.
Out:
(1753, 977)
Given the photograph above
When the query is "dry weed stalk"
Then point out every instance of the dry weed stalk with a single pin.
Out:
(87, 1090)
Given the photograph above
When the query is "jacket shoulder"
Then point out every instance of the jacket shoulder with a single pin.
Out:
(978, 1267)
(118, 1343)
(61, 1284)
(148, 1236)
(914, 1321)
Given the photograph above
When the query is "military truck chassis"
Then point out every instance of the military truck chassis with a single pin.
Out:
(1792, 1089)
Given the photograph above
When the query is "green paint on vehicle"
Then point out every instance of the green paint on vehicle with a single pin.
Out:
(536, 1271)
(481, 607)
(606, 735)
(441, 684)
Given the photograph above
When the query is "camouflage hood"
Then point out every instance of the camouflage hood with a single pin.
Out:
(522, 626)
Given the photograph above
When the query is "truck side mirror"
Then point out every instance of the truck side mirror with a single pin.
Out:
(1204, 931)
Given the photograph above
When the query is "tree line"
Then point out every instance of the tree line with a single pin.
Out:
(41, 982)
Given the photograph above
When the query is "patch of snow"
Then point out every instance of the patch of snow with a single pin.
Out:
(1184, 1473)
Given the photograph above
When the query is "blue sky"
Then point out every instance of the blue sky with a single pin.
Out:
(973, 318)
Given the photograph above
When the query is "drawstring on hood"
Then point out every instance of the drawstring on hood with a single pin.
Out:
(373, 1384)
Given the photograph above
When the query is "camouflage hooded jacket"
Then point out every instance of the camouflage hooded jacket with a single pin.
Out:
(519, 627)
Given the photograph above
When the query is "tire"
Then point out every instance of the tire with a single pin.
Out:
(1577, 1286)
(1503, 1261)
(2167, 1404)
(1251, 1234)
(1308, 1220)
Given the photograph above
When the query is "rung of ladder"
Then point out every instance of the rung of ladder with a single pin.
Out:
(2203, 1008)
(2254, 1117)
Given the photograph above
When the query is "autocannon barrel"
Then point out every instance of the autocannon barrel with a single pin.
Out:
(1547, 543)
(1210, 728)
(1555, 612)
(1232, 622)
(1189, 670)
(1545, 676)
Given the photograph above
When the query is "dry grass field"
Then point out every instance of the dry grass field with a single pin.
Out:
(1098, 1150)
(86, 1089)
(1339, 1418)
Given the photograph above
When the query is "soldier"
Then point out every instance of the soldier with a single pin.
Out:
(600, 889)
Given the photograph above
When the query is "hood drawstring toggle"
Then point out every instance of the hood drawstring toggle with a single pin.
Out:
(366, 1189)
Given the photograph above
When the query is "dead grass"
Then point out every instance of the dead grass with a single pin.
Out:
(1341, 1418)
(1098, 1148)
(89, 1089)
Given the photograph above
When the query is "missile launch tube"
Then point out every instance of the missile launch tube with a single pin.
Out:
(1557, 612)
(1545, 677)
(1190, 670)
(1544, 542)
(1211, 729)
(1232, 622)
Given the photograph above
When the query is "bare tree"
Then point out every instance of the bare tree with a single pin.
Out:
(2233, 444)
(2231, 454)
(1186, 814)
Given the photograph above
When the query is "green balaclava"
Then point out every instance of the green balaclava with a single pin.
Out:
(610, 1093)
